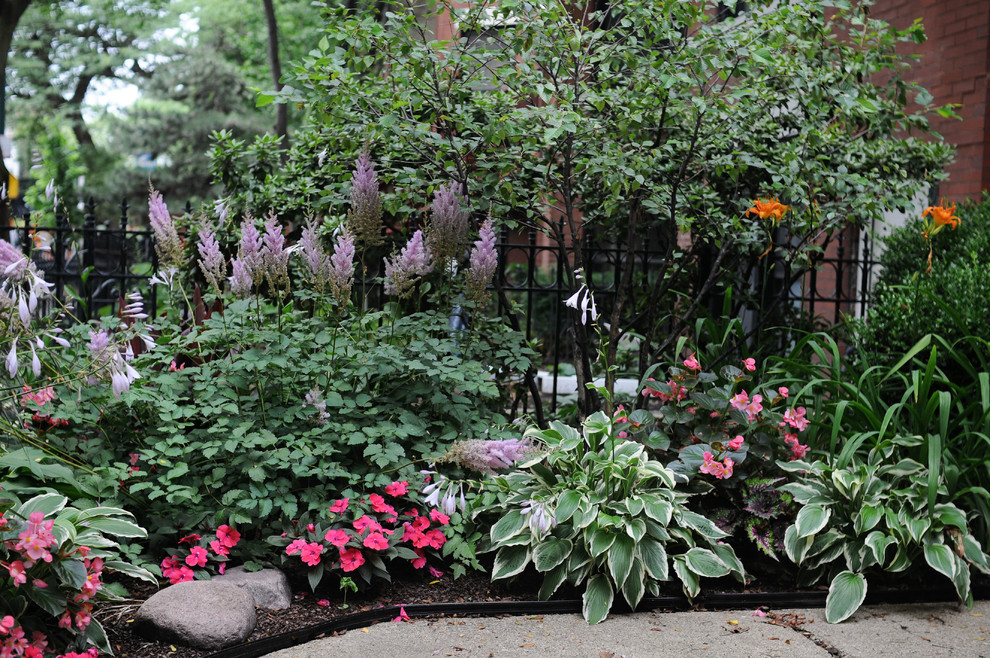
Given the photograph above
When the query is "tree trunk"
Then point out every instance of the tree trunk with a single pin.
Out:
(281, 109)
(10, 14)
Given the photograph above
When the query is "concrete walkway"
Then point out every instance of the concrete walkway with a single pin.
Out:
(903, 631)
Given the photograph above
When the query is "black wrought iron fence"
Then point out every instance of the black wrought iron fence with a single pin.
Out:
(93, 265)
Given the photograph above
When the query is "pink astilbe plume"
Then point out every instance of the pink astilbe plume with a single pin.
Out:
(240, 280)
(447, 230)
(488, 455)
(249, 251)
(364, 220)
(342, 269)
(484, 262)
(211, 261)
(316, 259)
(167, 242)
(414, 261)
(274, 254)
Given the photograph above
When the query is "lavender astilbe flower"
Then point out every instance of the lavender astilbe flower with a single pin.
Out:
(484, 262)
(364, 220)
(414, 261)
(489, 455)
(316, 259)
(342, 269)
(240, 279)
(274, 254)
(249, 250)
(211, 261)
(447, 230)
(167, 242)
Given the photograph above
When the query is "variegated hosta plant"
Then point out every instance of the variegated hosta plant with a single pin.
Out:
(595, 509)
(881, 515)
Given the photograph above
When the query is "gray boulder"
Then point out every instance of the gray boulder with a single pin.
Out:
(269, 587)
(201, 614)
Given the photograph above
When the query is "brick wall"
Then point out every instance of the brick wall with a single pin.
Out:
(954, 64)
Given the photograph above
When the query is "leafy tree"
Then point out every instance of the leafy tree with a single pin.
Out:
(661, 119)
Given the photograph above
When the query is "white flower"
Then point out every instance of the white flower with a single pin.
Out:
(12, 359)
(584, 301)
(35, 363)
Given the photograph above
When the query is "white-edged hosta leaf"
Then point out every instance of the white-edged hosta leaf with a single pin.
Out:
(509, 561)
(689, 580)
(551, 552)
(567, 504)
(597, 599)
(508, 526)
(705, 563)
(940, 558)
(620, 558)
(634, 587)
(599, 541)
(846, 593)
(46, 503)
(869, 516)
(811, 519)
(130, 570)
(654, 558)
(552, 580)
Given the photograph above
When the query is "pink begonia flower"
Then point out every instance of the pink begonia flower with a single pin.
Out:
(740, 400)
(65, 621)
(337, 537)
(311, 554)
(228, 536)
(720, 470)
(796, 419)
(736, 443)
(16, 571)
(419, 562)
(197, 557)
(799, 450)
(39, 583)
(340, 505)
(376, 541)
(310, 527)
(439, 517)
(749, 364)
(351, 559)
(754, 408)
(6, 624)
(397, 489)
(83, 617)
(783, 391)
(691, 363)
(402, 614)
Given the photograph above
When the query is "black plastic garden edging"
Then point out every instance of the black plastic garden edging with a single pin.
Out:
(813, 599)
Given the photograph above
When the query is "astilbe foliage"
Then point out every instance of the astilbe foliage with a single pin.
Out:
(365, 217)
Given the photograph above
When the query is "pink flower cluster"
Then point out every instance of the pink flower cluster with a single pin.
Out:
(796, 419)
(13, 641)
(721, 470)
(796, 447)
(181, 570)
(39, 398)
(751, 408)
(375, 528)
(677, 391)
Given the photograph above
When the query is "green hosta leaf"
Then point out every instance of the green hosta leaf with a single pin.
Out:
(567, 504)
(689, 580)
(654, 558)
(600, 541)
(802, 493)
(102, 511)
(961, 582)
(585, 515)
(508, 526)
(636, 528)
(940, 558)
(98, 637)
(701, 524)
(509, 561)
(71, 572)
(878, 542)
(867, 518)
(705, 563)
(552, 580)
(117, 527)
(811, 519)
(901, 468)
(975, 555)
(846, 593)
(597, 599)
(796, 547)
(551, 552)
(634, 505)
(634, 587)
(620, 558)
(949, 514)
(731, 560)
(47, 503)
(658, 510)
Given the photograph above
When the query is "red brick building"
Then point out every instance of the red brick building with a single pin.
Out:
(954, 64)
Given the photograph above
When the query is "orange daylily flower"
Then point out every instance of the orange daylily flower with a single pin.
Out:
(942, 215)
(771, 208)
